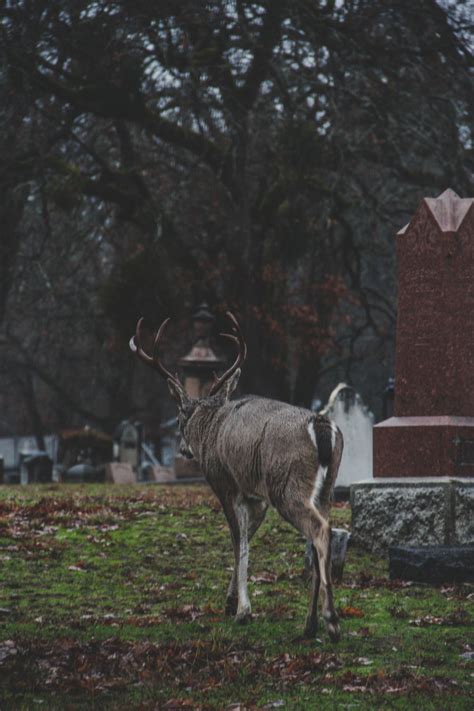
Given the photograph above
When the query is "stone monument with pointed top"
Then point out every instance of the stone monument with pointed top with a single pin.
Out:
(432, 431)
(423, 490)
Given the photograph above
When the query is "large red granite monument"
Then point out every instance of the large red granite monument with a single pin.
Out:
(422, 493)
(432, 431)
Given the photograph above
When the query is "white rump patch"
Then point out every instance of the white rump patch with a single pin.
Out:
(312, 433)
(318, 484)
(322, 471)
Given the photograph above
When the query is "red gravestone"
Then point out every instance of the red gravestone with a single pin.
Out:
(432, 431)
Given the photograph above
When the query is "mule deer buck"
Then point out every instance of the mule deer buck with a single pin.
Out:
(257, 452)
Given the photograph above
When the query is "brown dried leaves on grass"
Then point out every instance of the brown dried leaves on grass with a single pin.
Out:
(69, 666)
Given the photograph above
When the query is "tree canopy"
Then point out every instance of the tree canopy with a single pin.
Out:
(259, 155)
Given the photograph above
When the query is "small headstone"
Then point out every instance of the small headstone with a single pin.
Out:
(119, 473)
(81, 473)
(432, 564)
(186, 468)
(339, 542)
(128, 445)
(346, 408)
(161, 475)
(36, 467)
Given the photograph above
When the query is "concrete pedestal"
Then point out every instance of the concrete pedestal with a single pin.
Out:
(416, 511)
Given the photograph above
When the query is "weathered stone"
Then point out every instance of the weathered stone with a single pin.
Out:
(440, 564)
(36, 467)
(82, 473)
(129, 444)
(437, 511)
(464, 514)
(162, 475)
(346, 409)
(120, 473)
(339, 542)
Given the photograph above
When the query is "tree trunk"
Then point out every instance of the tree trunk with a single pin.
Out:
(33, 411)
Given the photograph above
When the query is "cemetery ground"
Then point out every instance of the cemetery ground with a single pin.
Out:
(112, 598)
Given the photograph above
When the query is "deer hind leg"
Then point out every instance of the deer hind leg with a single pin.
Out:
(312, 616)
(244, 611)
(232, 596)
(312, 524)
(322, 543)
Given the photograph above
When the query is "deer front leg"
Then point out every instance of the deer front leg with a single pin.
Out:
(241, 552)
(256, 509)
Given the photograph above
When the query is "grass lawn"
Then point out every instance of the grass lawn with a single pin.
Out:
(112, 598)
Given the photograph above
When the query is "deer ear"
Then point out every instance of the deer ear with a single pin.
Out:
(231, 384)
(177, 392)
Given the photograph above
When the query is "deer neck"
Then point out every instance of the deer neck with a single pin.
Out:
(202, 431)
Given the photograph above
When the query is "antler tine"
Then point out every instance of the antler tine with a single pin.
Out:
(136, 346)
(239, 339)
(135, 342)
(158, 364)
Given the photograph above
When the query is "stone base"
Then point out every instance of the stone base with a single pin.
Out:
(432, 564)
(412, 511)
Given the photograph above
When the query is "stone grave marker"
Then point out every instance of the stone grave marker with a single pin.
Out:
(356, 422)
(120, 473)
(423, 487)
(162, 475)
(36, 467)
(128, 444)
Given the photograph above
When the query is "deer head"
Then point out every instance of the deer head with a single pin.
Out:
(221, 390)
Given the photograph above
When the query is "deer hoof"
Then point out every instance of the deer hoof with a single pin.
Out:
(310, 630)
(231, 604)
(243, 617)
(333, 631)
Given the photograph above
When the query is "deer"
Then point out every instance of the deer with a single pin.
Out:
(257, 452)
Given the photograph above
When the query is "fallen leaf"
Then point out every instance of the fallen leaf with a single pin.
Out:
(351, 612)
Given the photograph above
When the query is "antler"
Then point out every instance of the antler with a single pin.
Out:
(239, 339)
(136, 346)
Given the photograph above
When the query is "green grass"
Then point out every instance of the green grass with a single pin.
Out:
(112, 598)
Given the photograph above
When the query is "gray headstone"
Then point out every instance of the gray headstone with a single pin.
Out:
(128, 446)
(36, 467)
(356, 423)
(432, 564)
(80, 473)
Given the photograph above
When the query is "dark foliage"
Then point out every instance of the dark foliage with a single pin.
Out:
(260, 155)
